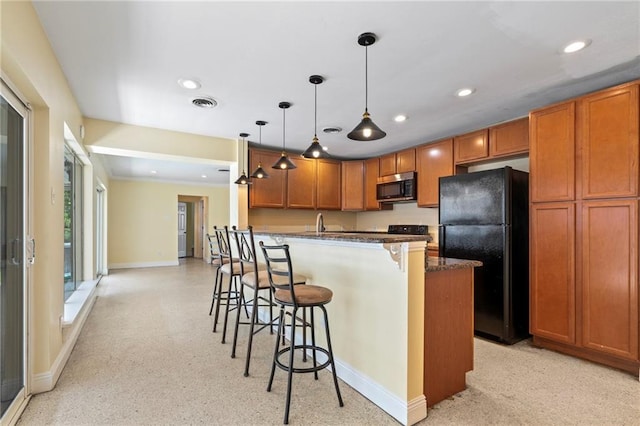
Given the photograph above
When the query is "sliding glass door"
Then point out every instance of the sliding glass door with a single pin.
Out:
(72, 222)
(13, 132)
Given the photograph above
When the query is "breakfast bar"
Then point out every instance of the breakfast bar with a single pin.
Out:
(401, 322)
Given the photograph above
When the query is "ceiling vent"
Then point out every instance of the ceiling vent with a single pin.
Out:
(204, 102)
(332, 129)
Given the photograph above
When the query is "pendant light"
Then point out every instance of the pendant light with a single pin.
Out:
(259, 173)
(367, 129)
(243, 179)
(315, 150)
(283, 163)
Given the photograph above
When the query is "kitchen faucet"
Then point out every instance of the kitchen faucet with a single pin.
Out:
(320, 224)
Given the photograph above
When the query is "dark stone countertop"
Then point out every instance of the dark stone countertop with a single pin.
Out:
(356, 237)
(435, 264)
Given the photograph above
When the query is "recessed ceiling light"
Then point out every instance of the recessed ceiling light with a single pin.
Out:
(465, 92)
(575, 46)
(203, 176)
(153, 172)
(325, 148)
(189, 83)
(400, 118)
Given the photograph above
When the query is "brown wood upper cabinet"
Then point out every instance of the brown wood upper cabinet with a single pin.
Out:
(353, 185)
(269, 192)
(552, 154)
(328, 189)
(371, 173)
(301, 184)
(433, 160)
(509, 138)
(502, 140)
(471, 147)
(313, 184)
(607, 132)
(398, 162)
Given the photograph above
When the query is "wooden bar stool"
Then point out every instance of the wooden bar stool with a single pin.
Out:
(295, 297)
(258, 283)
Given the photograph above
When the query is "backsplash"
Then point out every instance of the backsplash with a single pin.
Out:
(402, 214)
(296, 220)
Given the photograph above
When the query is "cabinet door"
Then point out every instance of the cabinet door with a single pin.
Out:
(509, 138)
(371, 173)
(388, 164)
(608, 136)
(552, 272)
(433, 161)
(471, 146)
(552, 153)
(610, 277)
(328, 184)
(406, 161)
(268, 192)
(301, 184)
(353, 185)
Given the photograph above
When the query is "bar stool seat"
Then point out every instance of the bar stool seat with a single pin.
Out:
(296, 297)
(307, 295)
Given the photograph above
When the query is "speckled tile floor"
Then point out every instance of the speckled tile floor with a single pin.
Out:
(146, 356)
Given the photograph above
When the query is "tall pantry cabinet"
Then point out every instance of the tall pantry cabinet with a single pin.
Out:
(584, 157)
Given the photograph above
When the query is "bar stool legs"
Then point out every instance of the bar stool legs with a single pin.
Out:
(290, 350)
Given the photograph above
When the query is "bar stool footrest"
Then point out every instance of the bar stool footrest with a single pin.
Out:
(309, 369)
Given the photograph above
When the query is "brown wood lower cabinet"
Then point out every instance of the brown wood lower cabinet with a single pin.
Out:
(552, 271)
(609, 267)
(584, 280)
(448, 320)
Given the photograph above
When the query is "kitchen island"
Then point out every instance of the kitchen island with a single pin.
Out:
(401, 323)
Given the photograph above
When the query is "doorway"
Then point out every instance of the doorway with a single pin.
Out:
(195, 214)
(182, 229)
(15, 254)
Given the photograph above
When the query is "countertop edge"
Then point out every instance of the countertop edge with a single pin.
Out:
(436, 264)
(356, 237)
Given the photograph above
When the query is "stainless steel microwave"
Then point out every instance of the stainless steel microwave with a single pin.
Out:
(398, 187)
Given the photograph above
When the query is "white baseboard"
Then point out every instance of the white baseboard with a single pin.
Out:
(405, 412)
(144, 264)
(44, 382)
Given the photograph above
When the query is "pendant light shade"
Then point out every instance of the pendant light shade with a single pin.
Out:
(259, 172)
(243, 179)
(315, 150)
(367, 129)
(283, 163)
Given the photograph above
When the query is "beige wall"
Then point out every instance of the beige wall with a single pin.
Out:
(29, 64)
(107, 137)
(31, 68)
(300, 220)
(143, 220)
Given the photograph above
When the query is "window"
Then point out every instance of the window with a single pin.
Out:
(72, 222)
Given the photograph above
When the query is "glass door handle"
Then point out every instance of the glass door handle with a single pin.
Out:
(15, 247)
(32, 258)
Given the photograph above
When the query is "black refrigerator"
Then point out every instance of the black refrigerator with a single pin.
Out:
(484, 216)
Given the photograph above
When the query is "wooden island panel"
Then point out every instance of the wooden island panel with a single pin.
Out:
(448, 332)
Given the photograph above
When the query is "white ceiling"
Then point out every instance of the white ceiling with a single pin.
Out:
(123, 60)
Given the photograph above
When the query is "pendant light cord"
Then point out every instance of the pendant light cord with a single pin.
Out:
(315, 115)
(284, 125)
(366, 78)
